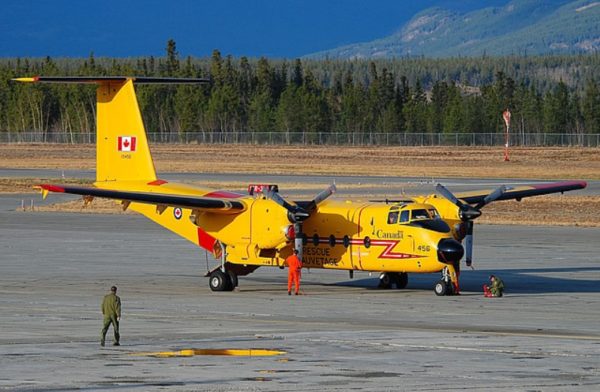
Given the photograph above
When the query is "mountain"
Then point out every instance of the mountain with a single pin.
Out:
(520, 27)
(271, 28)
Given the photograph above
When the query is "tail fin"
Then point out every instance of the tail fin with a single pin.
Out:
(122, 152)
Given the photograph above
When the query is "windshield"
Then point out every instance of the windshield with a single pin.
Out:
(420, 214)
(408, 215)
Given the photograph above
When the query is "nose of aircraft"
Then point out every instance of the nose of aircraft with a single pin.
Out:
(450, 251)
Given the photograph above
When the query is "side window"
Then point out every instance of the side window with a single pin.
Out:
(392, 217)
(404, 216)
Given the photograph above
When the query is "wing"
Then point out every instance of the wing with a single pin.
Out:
(212, 204)
(522, 191)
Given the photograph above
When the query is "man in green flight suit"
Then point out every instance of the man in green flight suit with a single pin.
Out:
(111, 310)
(496, 289)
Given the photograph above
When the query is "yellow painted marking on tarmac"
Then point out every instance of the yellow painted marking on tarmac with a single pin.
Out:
(227, 352)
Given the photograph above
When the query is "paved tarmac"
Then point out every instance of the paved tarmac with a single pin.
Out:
(340, 335)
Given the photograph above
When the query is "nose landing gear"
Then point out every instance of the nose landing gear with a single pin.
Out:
(448, 285)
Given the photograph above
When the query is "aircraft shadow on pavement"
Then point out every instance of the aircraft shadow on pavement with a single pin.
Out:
(516, 281)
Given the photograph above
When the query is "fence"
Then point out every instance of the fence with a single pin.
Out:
(327, 138)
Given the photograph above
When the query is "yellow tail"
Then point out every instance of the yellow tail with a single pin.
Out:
(122, 152)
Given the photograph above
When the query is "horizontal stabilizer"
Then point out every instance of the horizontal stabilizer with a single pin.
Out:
(108, 79)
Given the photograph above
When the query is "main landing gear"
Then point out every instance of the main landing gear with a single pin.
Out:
(223, 278)
(389, 279)
(223, 281)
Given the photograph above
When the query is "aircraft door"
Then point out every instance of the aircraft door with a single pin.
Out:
(363, 220)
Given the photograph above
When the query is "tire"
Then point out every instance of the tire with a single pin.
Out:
(233, 279)
(385, 281)
(219, 281)
(441, 288)
(401, 280)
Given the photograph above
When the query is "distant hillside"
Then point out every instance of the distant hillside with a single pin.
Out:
(521, 27)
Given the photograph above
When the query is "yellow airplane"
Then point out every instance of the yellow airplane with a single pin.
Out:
(245, 231)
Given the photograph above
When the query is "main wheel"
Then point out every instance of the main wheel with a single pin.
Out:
(441, 288)
(233, 279)
(401, 280)
(385, 280)
(219, 281)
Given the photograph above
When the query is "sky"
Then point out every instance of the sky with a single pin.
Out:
(253, 28)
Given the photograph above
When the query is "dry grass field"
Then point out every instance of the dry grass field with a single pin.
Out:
(484, 162)
(425, 162)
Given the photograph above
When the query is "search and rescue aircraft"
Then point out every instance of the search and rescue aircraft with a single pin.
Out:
(422, 234)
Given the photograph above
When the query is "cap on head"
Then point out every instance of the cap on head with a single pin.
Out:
(113, 289)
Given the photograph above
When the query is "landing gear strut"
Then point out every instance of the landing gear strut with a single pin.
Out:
(223, 279)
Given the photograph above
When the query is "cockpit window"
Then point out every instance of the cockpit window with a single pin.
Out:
(404, 216)
(392, 217)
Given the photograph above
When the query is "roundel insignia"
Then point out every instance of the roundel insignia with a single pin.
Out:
(177, 213)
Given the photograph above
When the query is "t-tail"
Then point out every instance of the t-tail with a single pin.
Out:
(122, 152)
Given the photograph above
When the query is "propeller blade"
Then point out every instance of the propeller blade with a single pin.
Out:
(492, 196)
(276, 197)
(467, 213)
(299, 237)
(448, 195)
(295, 213)
(469, 244)
(324, 194)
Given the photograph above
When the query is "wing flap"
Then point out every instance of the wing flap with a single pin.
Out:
(523, 191)
(212, 204)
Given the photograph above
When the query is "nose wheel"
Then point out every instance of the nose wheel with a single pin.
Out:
(443, 288)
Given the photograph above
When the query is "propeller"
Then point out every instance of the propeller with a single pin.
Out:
(298, 213)
(468, 214)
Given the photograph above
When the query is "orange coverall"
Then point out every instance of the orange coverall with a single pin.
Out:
(294, 272)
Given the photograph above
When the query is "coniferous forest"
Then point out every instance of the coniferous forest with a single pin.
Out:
(551, 94)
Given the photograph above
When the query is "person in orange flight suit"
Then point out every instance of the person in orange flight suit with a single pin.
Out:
(294, 271)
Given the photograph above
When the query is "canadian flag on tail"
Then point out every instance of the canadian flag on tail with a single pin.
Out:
(127, 143)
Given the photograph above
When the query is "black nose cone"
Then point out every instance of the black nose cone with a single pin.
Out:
(450, 251)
